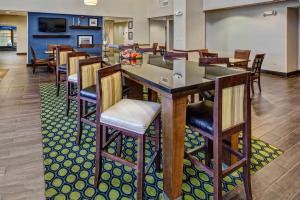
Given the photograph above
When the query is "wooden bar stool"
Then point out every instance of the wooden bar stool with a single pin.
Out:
(61, 64)
(256, 68)
(86, 91)
(126, 117)
(217, 121)
(72, 77)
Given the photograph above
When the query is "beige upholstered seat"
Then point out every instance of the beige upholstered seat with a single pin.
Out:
(132, 115)
(73, 78)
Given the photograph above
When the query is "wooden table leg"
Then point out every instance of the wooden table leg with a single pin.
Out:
(135, 89)
(152, 95)
(173, 124)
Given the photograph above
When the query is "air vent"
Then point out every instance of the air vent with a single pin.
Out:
(163, 3)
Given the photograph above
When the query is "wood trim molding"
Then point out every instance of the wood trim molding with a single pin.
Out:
(283, 74)
(186, 51)
(22, 54)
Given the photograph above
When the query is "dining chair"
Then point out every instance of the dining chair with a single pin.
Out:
(209, 55)
(153, 49)
(213, 61)
(176, 55)
(72, 76)
(255, 71)
(36, 62)
(125, 47)
(162, 50)
(217, 121)
(242, 54)
(136, 46)
(127, 117)
(86, 91)
(201, 51)
(61, 57)
(51, 47)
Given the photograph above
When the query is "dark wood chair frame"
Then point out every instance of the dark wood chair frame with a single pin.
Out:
(201, 51)
(209, 55)
(59, 72)
(162, 50)
(70, 95)
(102, 144)
(213, 61)
(36, 62)
(242, 54)
(256, 70)
(216, 143)
(153, 49)
(175, 55)
(82, 110)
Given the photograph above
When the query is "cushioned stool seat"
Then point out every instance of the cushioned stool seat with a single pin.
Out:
(62, 68)
(73, 78)
(89, 92)
(200, 115)
(131, 115)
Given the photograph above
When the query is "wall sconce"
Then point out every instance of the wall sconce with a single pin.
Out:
(178, 13)
(270, 13)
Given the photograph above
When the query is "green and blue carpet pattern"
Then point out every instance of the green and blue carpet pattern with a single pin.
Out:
(69, 169)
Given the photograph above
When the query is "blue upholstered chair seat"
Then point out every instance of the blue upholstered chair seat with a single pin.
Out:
(200, 115)
(89, 92)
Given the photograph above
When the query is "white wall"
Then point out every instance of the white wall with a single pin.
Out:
(246, 28)
(157, 32)
(140, 21)
(21, 23)
(292, 39)
(117, 8)
(155, 10)
(195, 25)
(220, 4)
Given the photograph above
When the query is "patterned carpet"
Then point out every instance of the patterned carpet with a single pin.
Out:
(69, 169)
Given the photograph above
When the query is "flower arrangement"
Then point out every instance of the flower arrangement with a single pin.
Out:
(131, 54)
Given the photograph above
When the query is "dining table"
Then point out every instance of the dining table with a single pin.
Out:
(174, 80)
(234, 61)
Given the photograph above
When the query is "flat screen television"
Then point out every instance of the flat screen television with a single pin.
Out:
(53, 25)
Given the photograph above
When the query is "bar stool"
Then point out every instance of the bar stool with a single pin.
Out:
(72, 77)
(126, 117)
(61, 64)
(229, 114)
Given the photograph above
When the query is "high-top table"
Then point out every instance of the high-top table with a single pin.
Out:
(174, 81)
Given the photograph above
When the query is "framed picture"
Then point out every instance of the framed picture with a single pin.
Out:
(84, 40)
(93, 22)
(130, 35)
(130, 25)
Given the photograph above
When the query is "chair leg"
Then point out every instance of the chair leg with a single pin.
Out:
(209, 150)
(247, 181)
(58, 84)
(141, 167)
(119, 145)
(68, 94)
(33, 69)
(252, 87)
(79, 123)
(99, 131)
(217, 179)
(259, 85)
(158, 143)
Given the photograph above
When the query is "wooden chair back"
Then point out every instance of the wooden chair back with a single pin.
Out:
(175, 55)
(136, 46)
(33, 54)
(213, 61)
(209, 55)
(73, 61)
(242, 54)
(257, 63)
(125, 47)
(109, 87)
(232, 104)
(61, 53)
(86, 72)
(154, 46)
(201, 51)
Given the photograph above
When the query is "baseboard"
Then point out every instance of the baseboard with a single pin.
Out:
(283, 74)
(22, 54)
